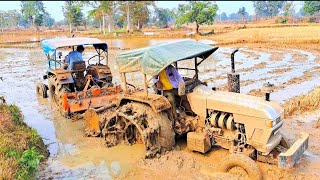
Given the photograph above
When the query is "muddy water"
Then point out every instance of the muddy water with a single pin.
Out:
(74, 156)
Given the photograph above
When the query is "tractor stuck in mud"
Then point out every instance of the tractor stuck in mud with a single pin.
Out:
(248, 126)
(73, 91)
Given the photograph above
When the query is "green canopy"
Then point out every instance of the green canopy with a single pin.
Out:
(154, 59)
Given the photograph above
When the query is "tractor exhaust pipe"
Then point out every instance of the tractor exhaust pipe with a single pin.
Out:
(233, 78)
(232, 61)
(268, 96)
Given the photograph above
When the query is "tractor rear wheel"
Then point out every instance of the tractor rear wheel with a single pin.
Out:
(241, 163)
(55, 91)
(41, 90)
(137, 122)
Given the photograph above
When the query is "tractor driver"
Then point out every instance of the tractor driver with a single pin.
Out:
(75, 56)
(169, 80)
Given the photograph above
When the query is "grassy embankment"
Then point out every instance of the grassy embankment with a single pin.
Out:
(21, 148)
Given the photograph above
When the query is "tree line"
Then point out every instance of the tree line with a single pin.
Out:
(130, 15)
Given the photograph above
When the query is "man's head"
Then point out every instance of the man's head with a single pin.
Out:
(80, 48)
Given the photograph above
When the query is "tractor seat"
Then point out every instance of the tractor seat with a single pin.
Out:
(78, 74)
(78, 68)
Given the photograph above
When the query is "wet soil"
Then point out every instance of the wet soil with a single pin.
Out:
(76, 157)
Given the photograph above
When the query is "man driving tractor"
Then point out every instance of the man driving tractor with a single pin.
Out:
(168, 81)
(75, 56)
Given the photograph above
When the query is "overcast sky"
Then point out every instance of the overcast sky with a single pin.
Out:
(55, 7)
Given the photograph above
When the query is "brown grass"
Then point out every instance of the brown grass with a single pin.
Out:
(285, 35)
(15, 138)
(303, 103)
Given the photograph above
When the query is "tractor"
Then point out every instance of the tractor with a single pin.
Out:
(248, 126)
(87, 84)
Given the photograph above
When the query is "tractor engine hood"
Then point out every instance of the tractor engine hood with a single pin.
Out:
(235, 103)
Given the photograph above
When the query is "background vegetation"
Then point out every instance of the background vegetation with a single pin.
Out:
(136, 15)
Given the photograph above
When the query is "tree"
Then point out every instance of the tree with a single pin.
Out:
(223, 16)
(135, 12)
(73, 14)
(33, 11)
(198, 12)
(47, 20)
(162, 17)
(288, 9)
(9, 19)
(96, 15)
(101, 11)
(267, 8)
(311, 7)
(242, 12)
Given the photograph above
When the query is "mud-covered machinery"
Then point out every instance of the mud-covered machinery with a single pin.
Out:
(247, 126)
(86, 85)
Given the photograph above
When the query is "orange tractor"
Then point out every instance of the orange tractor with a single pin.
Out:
(86, 85)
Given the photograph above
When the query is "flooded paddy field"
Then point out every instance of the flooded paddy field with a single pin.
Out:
(73, 156)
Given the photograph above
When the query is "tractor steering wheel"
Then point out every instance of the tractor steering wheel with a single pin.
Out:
(101, 58)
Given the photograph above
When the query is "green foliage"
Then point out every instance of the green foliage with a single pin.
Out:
(268, 8)
(29, 162)
(139, 12)
(73, 13)
(311, 7)
(242, 12)
(9, 18)
(162, 17)
(16, 115)
(288, 9)
(48, 20)
(198, 12)
(33, 11)
(119, 31)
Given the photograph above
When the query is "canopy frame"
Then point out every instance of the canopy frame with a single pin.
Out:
(52, 45)
(203, 56)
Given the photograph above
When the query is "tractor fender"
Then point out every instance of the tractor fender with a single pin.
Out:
(157, 102)
(63, 76)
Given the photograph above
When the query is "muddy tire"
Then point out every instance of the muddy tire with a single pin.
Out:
(41, 90)
(242, 161)
(153, 129)
(55, 91)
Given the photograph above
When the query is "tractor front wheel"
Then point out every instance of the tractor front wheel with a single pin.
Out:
(240, 165)
(41, 90)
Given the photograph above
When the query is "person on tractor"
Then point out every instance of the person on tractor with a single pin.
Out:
(168, 81)
(75, 56)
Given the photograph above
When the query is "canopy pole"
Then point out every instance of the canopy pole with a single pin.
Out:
(145, 84)
(196, 67)
(123, 75)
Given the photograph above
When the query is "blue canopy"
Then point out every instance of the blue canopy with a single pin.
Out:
(49, 46)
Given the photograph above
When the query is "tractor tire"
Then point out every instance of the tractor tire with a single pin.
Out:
(56, 90)
(53, 89)
(152, 129)
(242, 161)
(41, 90)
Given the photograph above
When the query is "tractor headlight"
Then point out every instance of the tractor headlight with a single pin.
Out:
(271, 123)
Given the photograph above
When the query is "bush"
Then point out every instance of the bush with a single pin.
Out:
(29, 162)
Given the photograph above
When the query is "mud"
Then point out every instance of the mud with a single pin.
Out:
(76, 157)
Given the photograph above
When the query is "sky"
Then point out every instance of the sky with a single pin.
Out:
(55, 7)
